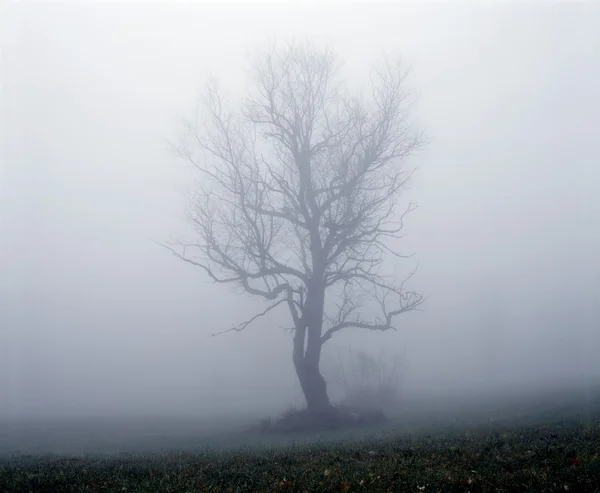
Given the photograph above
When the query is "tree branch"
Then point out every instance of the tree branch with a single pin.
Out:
(245, 324)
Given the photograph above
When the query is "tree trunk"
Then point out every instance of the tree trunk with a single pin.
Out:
(308, 330)
(313, 385)
(306, 363)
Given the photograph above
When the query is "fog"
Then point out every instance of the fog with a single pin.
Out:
(97, 319)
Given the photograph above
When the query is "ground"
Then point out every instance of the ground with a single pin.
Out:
(550, 444)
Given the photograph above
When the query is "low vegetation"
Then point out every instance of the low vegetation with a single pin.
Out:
(369, 386)
(365, 381)
(538, 449)
(334, 418)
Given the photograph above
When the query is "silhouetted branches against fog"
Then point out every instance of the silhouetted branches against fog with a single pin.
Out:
(300, 193)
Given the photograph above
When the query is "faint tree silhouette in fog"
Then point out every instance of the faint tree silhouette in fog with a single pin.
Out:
(298, 201)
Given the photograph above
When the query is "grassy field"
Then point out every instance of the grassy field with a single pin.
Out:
(547, 442)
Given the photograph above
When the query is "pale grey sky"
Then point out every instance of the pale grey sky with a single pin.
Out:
(94, 316)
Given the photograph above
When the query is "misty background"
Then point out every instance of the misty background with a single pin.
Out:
(96, 319)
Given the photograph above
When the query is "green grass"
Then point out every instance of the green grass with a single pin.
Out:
(559, 457)
(539, 450)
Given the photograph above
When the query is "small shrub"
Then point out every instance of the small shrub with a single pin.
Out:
(334, 418)
(367, 382)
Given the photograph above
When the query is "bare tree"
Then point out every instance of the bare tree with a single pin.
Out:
(298, 202)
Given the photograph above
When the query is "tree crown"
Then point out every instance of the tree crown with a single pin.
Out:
(300, 190)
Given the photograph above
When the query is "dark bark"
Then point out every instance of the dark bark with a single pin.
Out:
(312, 382)
(306, 361)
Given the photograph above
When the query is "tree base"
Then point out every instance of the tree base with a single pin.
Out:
(333, 418)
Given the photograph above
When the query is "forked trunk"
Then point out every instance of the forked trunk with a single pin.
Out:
(313, 386)
(306, 363)
(308, 344)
